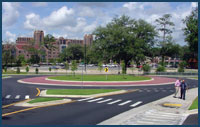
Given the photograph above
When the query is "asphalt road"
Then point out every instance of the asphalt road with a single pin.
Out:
(85, 112)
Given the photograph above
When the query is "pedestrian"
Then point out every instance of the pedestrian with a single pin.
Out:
(177, 87)
(184, 87)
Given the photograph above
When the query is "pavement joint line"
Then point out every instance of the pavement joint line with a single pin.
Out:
(5, 106)
(27, 109)
(38, 91)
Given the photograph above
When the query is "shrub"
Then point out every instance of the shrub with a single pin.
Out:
(146, 68)
(18, 70)
(36, 70)
(50, 69)
(27, 69)
(160, 69)
(5, 69)
(181, 66)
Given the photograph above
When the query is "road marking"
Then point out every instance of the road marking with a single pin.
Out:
(104, 101)
(86, 99)
(95, 99)
(38, 92)
(5, 106)
(126, 102)
(173, 105)
(8, 96)
(27, 97)
(137, 103)
(27, 109)
(114, 102)
(17, 97)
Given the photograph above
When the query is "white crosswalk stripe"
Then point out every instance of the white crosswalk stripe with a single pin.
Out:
(124, 103)
(95, 100)
(86, 99)
(135, 104)
(8, 96)
(27, 97)
(104, 101)
(17, 97)
(113, 102)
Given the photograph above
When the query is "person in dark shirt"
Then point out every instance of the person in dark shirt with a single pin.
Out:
(184, 87)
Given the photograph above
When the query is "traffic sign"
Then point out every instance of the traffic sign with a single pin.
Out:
(106, 69)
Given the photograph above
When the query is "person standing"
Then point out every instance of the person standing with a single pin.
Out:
(177, 87)
(184, 87)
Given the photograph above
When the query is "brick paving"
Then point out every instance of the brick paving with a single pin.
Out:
(42, 80)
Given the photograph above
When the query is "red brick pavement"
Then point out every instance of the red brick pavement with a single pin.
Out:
(42, 80)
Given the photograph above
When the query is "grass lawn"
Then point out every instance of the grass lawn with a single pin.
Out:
(101, 78)
(44, 99)
(78, 91)
(194, 104)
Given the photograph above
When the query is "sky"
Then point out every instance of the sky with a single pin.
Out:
(75, 19)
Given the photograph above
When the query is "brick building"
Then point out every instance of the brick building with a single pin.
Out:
(38, 37)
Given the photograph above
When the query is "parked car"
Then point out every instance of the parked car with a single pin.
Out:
(36, 65)
(54, 67)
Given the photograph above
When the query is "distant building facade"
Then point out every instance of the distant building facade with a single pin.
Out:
(38, 37)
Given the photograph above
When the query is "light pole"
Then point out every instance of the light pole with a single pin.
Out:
(85, 56)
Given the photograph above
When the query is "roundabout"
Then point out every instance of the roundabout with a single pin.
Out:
(44, 80)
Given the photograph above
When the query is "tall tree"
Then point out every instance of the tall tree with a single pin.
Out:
(165, 26)
(122, 39)
(191, 32)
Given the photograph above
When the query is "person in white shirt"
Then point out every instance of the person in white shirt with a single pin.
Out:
(177, 87)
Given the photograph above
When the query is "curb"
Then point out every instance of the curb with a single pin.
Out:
(97, 81)
(43, 94)
(20, 81)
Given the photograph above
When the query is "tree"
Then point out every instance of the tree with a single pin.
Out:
(165, 27)
(122, 39)
(48, 44)
(74, 66)
(72, 52)
(191, 32)
(100, 67)
(66, 66)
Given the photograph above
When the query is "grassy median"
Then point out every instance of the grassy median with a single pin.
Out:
(44, 99)
(78, 91)
(101, 78)
(194, 104)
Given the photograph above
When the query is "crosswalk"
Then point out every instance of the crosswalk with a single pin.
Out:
(156, 117)
(17, 97)
(111, 101)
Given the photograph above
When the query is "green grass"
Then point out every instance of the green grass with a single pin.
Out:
(194, 104)
(101, 78)
(78, 91)
(44, 99)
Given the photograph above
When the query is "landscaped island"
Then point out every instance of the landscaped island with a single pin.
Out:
(100, 78)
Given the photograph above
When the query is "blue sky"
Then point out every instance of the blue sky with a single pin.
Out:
(73, 20)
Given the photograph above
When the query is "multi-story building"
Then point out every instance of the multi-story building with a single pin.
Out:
(36, 41)
(88, 38)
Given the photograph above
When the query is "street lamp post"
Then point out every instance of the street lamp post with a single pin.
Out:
(85, 56)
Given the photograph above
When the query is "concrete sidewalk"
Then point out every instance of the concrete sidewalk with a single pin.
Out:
(155, 113)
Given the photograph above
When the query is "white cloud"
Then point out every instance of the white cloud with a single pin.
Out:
(62, 16)
(150, 11)
(10, 13)
(33, 21)
(86, 12)
(10, 37)
(39, 4)
(194, 4)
